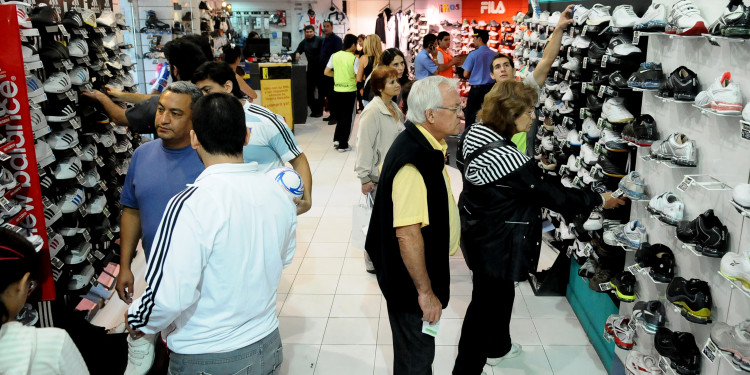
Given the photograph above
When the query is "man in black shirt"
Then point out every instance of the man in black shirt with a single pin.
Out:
(332, 43)
(311, 47)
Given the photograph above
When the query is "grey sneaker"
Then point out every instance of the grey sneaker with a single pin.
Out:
(515, 350)
(633, 185)
(734, 340)
(677, 148)
(633, 234)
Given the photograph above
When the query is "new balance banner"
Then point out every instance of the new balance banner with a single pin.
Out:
(15, 115)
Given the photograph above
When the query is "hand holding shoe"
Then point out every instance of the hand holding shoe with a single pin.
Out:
(368, 187)
(611, 202)
(566, 18)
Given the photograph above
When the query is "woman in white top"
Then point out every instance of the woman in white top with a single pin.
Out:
(28, 350)
(379, 124)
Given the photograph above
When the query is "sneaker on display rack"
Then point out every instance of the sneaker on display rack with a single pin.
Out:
(633, 185)
(598, 15)
(668, 206)
(707, 232)
(676, 148)
(734, 340)
(731, 14)
(651, 314)
(693, 297)
(655, 19)
(633, 234)
(736, 267)
(642, 364)
(614, 111)
(685, 19)
(624, 17)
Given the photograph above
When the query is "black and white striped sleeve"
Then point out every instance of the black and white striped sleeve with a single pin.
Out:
(174, 270)
(492, 164)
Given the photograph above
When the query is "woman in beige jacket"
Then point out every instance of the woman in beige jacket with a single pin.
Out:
(379, 124)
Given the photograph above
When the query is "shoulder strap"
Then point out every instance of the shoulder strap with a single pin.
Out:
(462, 163)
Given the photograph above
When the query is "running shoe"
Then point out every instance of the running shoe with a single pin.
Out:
(642, 364)
(648, 76)
(78, 48)
(676, 148)
(668, 206)
(686, 19)
(67, 168)
(738, 28)
(651, 314)
(633, 234)
(731, 14)
(726, 98)
(708, 234)
(693, 297)
(633, 185)
(680, 349)
(39, 123)
(737, 267)
(734, 340)
(654, 19)
(614, 111)
(624, 286)
(619, 327)
(63, 139)
(642, 132)
(682, 84)
(624, 17)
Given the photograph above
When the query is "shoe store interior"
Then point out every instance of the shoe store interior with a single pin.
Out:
(644, 103)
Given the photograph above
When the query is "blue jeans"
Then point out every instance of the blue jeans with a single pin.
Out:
(260, 358)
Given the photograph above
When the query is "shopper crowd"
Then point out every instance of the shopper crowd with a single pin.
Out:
(217, 232)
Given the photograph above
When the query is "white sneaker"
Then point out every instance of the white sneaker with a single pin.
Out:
(633, 234)
(588, 155)
(741, 195)
(580, 14)
(581, 42)
(598, 15)
(590, 130)
(140, 355)
(727, 99)
(573, 64)
(624, 16)
(668, 207)
(544, 18)
(686, 19)
(655, 12)
(554, 18)
(572, 163)
(678, 148)
(515, 350)
(573, 139)
(737, 267)
(614, 111)
(547, 143)
(594, 221)
(746, 113)
(567, 40)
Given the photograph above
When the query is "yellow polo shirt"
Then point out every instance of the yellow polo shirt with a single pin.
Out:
(410, 197)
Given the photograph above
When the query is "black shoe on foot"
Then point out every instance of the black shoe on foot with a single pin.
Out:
(331, 122)
(329, 118)
(319, 114)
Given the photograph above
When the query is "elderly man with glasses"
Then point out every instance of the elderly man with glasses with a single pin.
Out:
(415, 223)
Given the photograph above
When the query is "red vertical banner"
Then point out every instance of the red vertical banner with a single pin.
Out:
(497, 10)
(15, 122)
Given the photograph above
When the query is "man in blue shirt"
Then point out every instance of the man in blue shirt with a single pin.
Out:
(158, 170)
(332, 43)
(477, 69)
(424, 65)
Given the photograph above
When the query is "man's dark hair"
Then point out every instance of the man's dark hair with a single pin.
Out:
(349, 41)
(219, 124)
(327, 22)
(252, 35)
(186, 56)
(309, 27)
(219, 72)
(442, 35)
(501, 55)
(428, 41)
(203, 43)
(231, 53)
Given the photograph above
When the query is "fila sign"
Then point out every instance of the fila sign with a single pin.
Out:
(489, 7)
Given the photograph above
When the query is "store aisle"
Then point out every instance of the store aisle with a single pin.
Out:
(333, 318)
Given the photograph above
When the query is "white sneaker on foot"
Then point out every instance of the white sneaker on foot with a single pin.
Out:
(140, 355)
(515, 350)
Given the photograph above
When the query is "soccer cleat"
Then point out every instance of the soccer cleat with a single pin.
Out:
(707, 233)
(737, 267)
(693, 297)
(676, 148)
(680, 349)
(615, 112)
(633, 234)
(642, 132)
(668, 207)
(624, 286)
(651, 314)
(633, 185)
(685, 19)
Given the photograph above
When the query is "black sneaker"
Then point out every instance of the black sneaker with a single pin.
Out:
(682, 84)
(617, 80)
(53, 51)
(651, 314)
(649, 76)
(707, 233)
(680, 348)
(44, 16)
(597, 50)
(611, 169)
(72, 19)
(624, 285)
(740, 27)
(732, 14)
(693, 297)
(662, 266)
(598, 78)
(594, 103)
(641, 132)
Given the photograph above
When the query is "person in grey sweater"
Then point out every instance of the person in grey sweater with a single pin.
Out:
(379, 124)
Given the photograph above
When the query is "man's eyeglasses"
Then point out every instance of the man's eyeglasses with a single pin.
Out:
(457, 109)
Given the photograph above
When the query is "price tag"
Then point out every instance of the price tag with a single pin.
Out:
(710, 351)
(80, 179)
(577, 181)
(99, 255)
(570, 252)
(585, 29)
(585, 62)
(71, 96)
(567, 120)
(636, 37)
(563, 169)
(600, 123)
(90, 258)
(588, 250)
(84, 33)
(77, 150)
(105, 211)
(604, 61)
(567, 75)
(685, 184)
(14, 228)
(57, 263)
(745, 129)
(63, 31)
(579, 162)
(75, 123)
(634, 269)
(605, 287)
(601, 91)
(569, 48)
(5, 204)
(557, 75)
(95, 137)
(598, 148)
(618, 193)
(86, 235)
(67, 64)
(582, 113)
(82, 211)
(46, 202)
(596, 171)
(130, 136)
(109, 235)
(103, 185)
(99, 160)
(572, 32)
(583, 86)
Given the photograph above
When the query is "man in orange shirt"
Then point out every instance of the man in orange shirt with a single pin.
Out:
(443, 57)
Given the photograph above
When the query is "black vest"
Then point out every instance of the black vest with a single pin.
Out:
(410, 147)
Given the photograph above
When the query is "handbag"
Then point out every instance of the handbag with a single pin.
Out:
(361, 213)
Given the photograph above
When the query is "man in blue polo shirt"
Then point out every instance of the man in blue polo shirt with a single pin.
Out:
(477, 69)
(424, 65)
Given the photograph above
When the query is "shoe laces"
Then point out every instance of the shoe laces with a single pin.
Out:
(685, 8)
(628, 9)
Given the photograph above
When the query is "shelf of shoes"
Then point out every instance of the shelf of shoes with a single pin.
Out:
(735, 284)
(709, 111)
(665, 162)
(704, 181)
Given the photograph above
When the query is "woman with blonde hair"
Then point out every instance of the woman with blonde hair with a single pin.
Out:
(379, 124)
(372, 49)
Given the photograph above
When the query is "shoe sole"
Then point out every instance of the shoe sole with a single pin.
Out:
(622, 297)
(745, 283)
(633, 193)
(684, 163)
(702, 316)
(736, 32)
(727, 108)
(696, 30)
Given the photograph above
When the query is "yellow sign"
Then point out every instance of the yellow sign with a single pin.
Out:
(265, 73)
(277, 98)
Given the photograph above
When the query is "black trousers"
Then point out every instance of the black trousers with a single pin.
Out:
(327, 85)
(344, 114)
(486, 329)
(474, 103)
(314, 83)
(413, 351)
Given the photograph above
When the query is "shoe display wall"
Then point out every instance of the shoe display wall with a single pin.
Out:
(82, 160)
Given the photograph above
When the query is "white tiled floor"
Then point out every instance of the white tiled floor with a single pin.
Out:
(332, 315)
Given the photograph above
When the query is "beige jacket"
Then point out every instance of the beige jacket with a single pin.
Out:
(377, 131)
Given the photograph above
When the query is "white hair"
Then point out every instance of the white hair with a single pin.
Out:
(427, 94)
